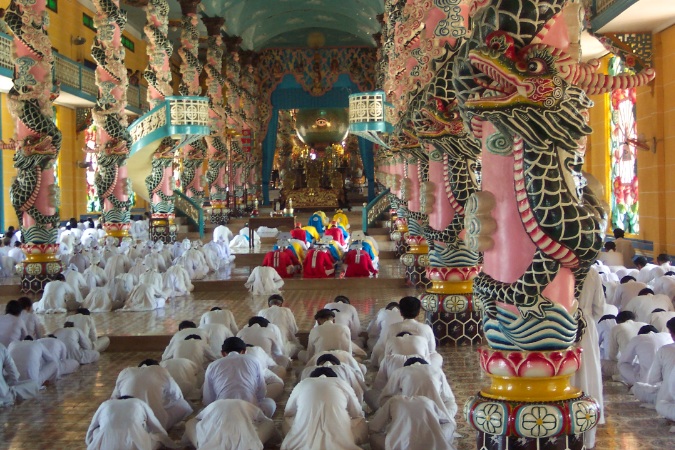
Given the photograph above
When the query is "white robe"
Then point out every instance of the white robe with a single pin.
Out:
(323, 414)
(34, 326)
(120, 288)
(380, 324)
(87, 324)
(186, 374)
(268, 338)
(665, 285)
(95, 276)
(665, 405)
(56, 297)
(351, 315)
(12, 329)
(177, 281)
(180, 336)
(98, 300)
(660, 319)
(76, 281)
(222, 233)
(117, 264)
(154, 385)
(10, 386)
(217, 333)
(197, 351)
(409, 423)
(660, 371)
(144, 298)
(33, 362)
(283, 318)
(264, 281)
(78, 345)
(414, 327)
(325, 337)
(637, 358)
(222, 316)
(126, 424)
(643, 305)
(59, 352)
(353, 377)
(229, 424)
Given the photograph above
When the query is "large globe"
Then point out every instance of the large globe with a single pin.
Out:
(322, 126)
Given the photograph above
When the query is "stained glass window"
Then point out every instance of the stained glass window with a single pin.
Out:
(623, 154)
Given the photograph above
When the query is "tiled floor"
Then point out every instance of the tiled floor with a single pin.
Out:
(59, 418)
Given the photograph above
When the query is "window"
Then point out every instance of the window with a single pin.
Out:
(53, 5)
(88, 21)
(623, 154)
(128, 43)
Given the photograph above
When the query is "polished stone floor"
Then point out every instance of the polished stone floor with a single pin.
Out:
(59, 418)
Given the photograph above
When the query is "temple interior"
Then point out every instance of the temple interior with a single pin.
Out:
(508, 163)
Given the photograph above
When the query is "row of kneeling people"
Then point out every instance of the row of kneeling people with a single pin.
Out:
(411, 402)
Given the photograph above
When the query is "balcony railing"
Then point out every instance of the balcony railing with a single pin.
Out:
(604, 11)
(75, 78)
(190, 209)
(372, 211)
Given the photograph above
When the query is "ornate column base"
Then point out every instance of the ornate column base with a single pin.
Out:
(530, 404)
(449, 306)
(119, 231)
(416, 260)
(219, 213)
(163, 228)
(40, 267)
(400, 236)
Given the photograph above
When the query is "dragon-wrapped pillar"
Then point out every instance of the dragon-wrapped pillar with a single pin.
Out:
(160, 182)
(112, 184)
(400, 215)
(34, 193)
(537, 223)
(216, 174)
(415, 258)
(192, 175)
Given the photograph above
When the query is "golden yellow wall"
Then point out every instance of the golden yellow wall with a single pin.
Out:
(8, 171)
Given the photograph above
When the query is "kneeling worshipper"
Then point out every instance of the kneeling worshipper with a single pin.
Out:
(222, 316)
(12, 327)
(323, 413)
(327, 335)
(349, 316)
(637, 358)
(34, 326)
(10, 386)
(659, 318)
(33, 361)
(318, 220)
(59, 352)
(266, 335)
(283, 318)
(120, 288)
(358, 263)
(665, 405)
(337, 234)
(341, 218)
(656, 388)
(78, 345)
(185, 329)
(298, 233)
(126, 423)
(353, 377)
(280, 259)
(389, 365)
(229, 424)
(241, 240)
(86, 323)
(76, 280)
(217, 333)
(312, 235)
(409, 423)
(318, 263)
(222, 234)
(665, 285)
(58, 297)
(152, 383)
(237, 376)
(274, 384)
(625, 329)
(196, 350)
(264, 281)
(380, 324)
(186, 374)
(98, 300)
(144, 297)
(646, 302)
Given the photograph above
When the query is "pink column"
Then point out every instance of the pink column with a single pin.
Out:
(443, 213)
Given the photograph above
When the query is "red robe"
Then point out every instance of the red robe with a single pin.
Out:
(358, 264)
(336, 234)
(318, 264)
(299, 234)
(281, 262)
(293, 256)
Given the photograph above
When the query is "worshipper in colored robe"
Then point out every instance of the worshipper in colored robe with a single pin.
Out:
(336, 233)
(409, 423)
(637, 358)
(264, 281)
(351, 316)
(86, 323)
(34, 327)
(152, 383)
(237, 376)
(645, 302)
(624, 247)
(318, 220)
(318, 264)
(283, 318)
(298, 233)
(626, 291)
(267, 336)
(327, 335)
(281, 261)
(229, 424)
(12, 328)
(312, 234)
(323, 413)
(353, 377)
(358, 263)
(78, 345)
(656, 387)
(341, 218)
(126, 423)
(626, 328)
(379, 325)
(57, 297)
(33, 361)
(59, 352)
(10, 386)
(222, 316)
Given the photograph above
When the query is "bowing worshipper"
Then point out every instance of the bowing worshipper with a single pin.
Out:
(264, 281)
(589, 376)
(318, 263)
(57, 297)
(662, 367)
(194, 262)
(210, 256)
(358, 263)
(281, 261)
(152, 383)
(353, 377)
(94, 275)
(33, 361)
(389, 365)
(16, 253)
(334, 250)
(298, 233)
(78, 345)
(625, 329)
(335, 232)
(273, 372)
(222, 316)
(79, 260)
(185, 373)
(410, 308)
(610, 257)
(341, 218)
(98, 300)
(369, 245)
(624, 247)
(405, 343)
(605, 325)
(267, 336)
(349, 316)
(237, 376)
(665, 406)
(283, 318)
(216, 335)
(326, 336)
(323, 412)
(241, 240)
(59, 352)
(311, 234)
(196, 350)
(409, 423)
(379, 325)
(221, 250)
(229, 424)
(659, 318)
(10, 386)
(86, 323)
(626, 291)
(116, 264)
(318, 220)
(12, 328)
(646, 302)
(222, 234)
(663, 260)
(126, 423)
(345, 358)
(144, 297)
(76, 280)
(185, 329)
(645, 269)
(153, 278)
(665, 285)
(137, 269)
(637, 358)
(120, 288)
(299, 249)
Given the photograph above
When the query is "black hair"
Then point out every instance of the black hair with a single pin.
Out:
(233, 344)
(342, 299)
(414, 360)
(627, 278)
(259, 320)
(646, 291)
(324, 314)
(148, 362)
(25, 303)
(60, 277)
(327, 371)
(13, 307)
(391, 305)
(410, 307)
(186, 324)
(618, 233)
(275, 298)
(68, 324)
(663, 258)
(607, 317)
(51, 336)
(327, 357)
(215, 308)
(28, 338)
(671, 325)
(404, 333)
(624, 316)
(646, 329)
(83, 311)
(670, 273)
(193, 336)
(657, 310)
(609, 245)
(641, 261)
(125, 397)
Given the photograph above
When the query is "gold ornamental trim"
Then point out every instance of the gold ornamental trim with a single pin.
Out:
(41, 258)
(544, 389)
(450, 287)
(418, 249)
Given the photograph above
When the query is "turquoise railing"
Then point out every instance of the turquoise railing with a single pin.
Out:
(604, 11)
(372, 210)
(187, 207)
